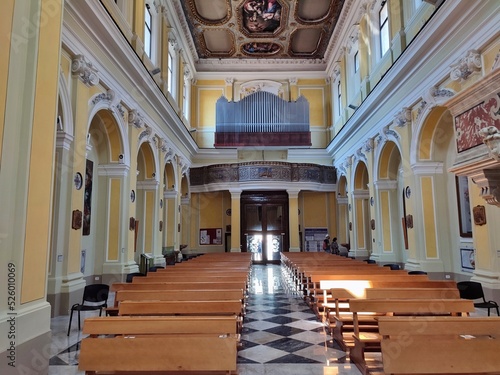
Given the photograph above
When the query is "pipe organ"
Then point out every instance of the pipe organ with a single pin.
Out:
(262, 119)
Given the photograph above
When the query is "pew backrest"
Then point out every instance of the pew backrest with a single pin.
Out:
(441, 345)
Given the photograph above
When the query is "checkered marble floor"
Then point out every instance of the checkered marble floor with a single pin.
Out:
(281, 335)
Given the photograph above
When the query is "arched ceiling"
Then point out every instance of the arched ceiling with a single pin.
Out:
(248, 30)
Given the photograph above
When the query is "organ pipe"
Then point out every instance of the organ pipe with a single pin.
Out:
(262, 112)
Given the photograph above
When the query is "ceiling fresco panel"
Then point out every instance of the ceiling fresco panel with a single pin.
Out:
(305, 41)
(211, 12)
(277, 29)
(217, 42)
(313, 10)
(262, 18)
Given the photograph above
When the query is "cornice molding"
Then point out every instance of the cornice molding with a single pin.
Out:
(150, 184)
(428, 168)
(385, 184)
(113, 170)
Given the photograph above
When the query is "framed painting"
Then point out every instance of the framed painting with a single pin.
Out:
(464, 210)
(467, 259)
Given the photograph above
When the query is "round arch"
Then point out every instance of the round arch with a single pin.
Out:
(361, 176)
(432, 154)
(112, 130)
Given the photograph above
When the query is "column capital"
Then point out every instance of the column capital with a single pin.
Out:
(84, 70)
(235, 193)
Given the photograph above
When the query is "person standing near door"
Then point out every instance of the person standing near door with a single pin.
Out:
(335, 246)
(326, 244)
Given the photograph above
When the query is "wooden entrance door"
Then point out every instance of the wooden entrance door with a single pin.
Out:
(264, 227)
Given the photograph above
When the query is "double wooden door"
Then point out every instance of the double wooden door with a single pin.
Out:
(264, 227)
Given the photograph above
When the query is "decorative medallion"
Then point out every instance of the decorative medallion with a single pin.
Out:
(407, 192)
(78, 180)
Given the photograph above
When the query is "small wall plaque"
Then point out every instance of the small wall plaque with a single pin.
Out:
(76, 220)
(479, 214)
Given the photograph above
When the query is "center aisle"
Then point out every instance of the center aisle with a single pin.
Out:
(281, 335)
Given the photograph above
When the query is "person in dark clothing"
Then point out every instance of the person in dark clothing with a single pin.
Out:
(326, 244)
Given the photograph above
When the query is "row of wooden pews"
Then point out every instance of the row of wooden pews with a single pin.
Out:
(184, 318)
(372, 309)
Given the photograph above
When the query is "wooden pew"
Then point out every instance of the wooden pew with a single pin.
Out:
(338, 295)
(339, 319)
(159, 345)
(188, 278)
(441, 345)
(319, 283)
(176, 295)
(370, 308)
(179, 295)
(177, 285)
(220, 307)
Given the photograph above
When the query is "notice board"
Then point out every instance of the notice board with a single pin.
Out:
(313, 238)
(211, 236)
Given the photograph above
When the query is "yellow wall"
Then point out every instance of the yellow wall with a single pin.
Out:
(41, 172)
(211, 210)
(386, 220)
(429, 218)
(425, 147)
(170, 224)
(149, 225)
(5, 31)
(342, 224)
(315, 212)
(316, 99)
(490, 54)
(114, 219)
(481, 235)
(206, 101)
(138, 26)
(360, 227)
